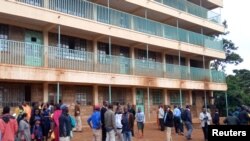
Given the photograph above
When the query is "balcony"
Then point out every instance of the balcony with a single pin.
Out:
(28, 54)
(102, 14)
(192, 8)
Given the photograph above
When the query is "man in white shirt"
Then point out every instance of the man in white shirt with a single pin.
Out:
(160, 117)
(205, 118)
(118, 123)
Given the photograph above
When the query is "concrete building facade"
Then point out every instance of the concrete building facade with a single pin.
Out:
(142, 52)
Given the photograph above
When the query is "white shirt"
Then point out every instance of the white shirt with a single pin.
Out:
(160, 113)
(118, 120)
(203, 121)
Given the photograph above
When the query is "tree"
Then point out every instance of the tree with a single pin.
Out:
(231, 56)
(238, 90)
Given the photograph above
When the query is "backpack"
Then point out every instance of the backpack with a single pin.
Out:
(184, 115)
(73, 121)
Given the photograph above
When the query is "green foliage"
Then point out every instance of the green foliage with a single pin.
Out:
(238, 91)
(231, 56)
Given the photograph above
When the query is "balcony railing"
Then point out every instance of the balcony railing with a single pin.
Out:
(28, 54)
(192, 8)
(92, 11)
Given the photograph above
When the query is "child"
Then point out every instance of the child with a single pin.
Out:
(37, 132)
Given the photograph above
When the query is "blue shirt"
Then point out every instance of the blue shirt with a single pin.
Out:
(177, 112)
(95, 119)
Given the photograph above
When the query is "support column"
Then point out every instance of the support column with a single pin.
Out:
(164, 63)
(133, 95)
(45, 92)
(211, 94)
(188, 66)
(165, 97)
(46, 44)
(132, 55)
(190, 97)
(95, 95)
(95, 51)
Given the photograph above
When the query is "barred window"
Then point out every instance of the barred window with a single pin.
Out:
(84, 95)
(157, 97)
(4, 32)
(175, 98)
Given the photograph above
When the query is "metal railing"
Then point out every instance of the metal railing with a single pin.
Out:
(28, 54)
(20, 53)
(92, 11)
(192, 8)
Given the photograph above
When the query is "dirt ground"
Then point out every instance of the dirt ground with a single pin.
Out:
(152, 133)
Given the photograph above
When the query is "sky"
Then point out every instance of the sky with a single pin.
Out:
(237, 14)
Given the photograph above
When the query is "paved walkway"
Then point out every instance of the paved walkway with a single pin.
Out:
(152, 133)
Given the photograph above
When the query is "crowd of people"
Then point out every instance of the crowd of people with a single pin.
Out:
(42, 122)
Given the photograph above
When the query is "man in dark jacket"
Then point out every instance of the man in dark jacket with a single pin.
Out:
(64, 124)
(243, 116)
(127, 124)
(169, 122)
(231, 119)
(188, 122)
(103, 110)
(216, 117)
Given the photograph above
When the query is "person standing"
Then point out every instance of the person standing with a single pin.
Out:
(103, 111)
(27, 109)
(94, 122)
(78, 117)
(24, 129)
(65, 126)
(177, 119)
(205, 118)
(131, 109)
(169, 123)
(127, 124)
(140, 118)
(160, 117)
(55, 117)
(118, 122)
(216, 117)
(109, 120)
(243, 116)
(8, 125)
(231, 119)
(187, 118)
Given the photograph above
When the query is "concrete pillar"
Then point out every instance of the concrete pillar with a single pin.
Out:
(188, 66)
(45, 92)
(165, 97)
(164, 63)
(133, 95)
(211, 96)
(46, 44)
(95, 95)
(95, 51)
(190, 97)
(132, 56)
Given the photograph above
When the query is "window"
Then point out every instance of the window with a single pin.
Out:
(4, 32)
(84, 95)
(142, 56)
(103, 53)
(71, 47)
(157, 97)
(175, 98)
(117, 95)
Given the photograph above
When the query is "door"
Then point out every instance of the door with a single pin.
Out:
(33, 48)
(1, 97)
(140, 100)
